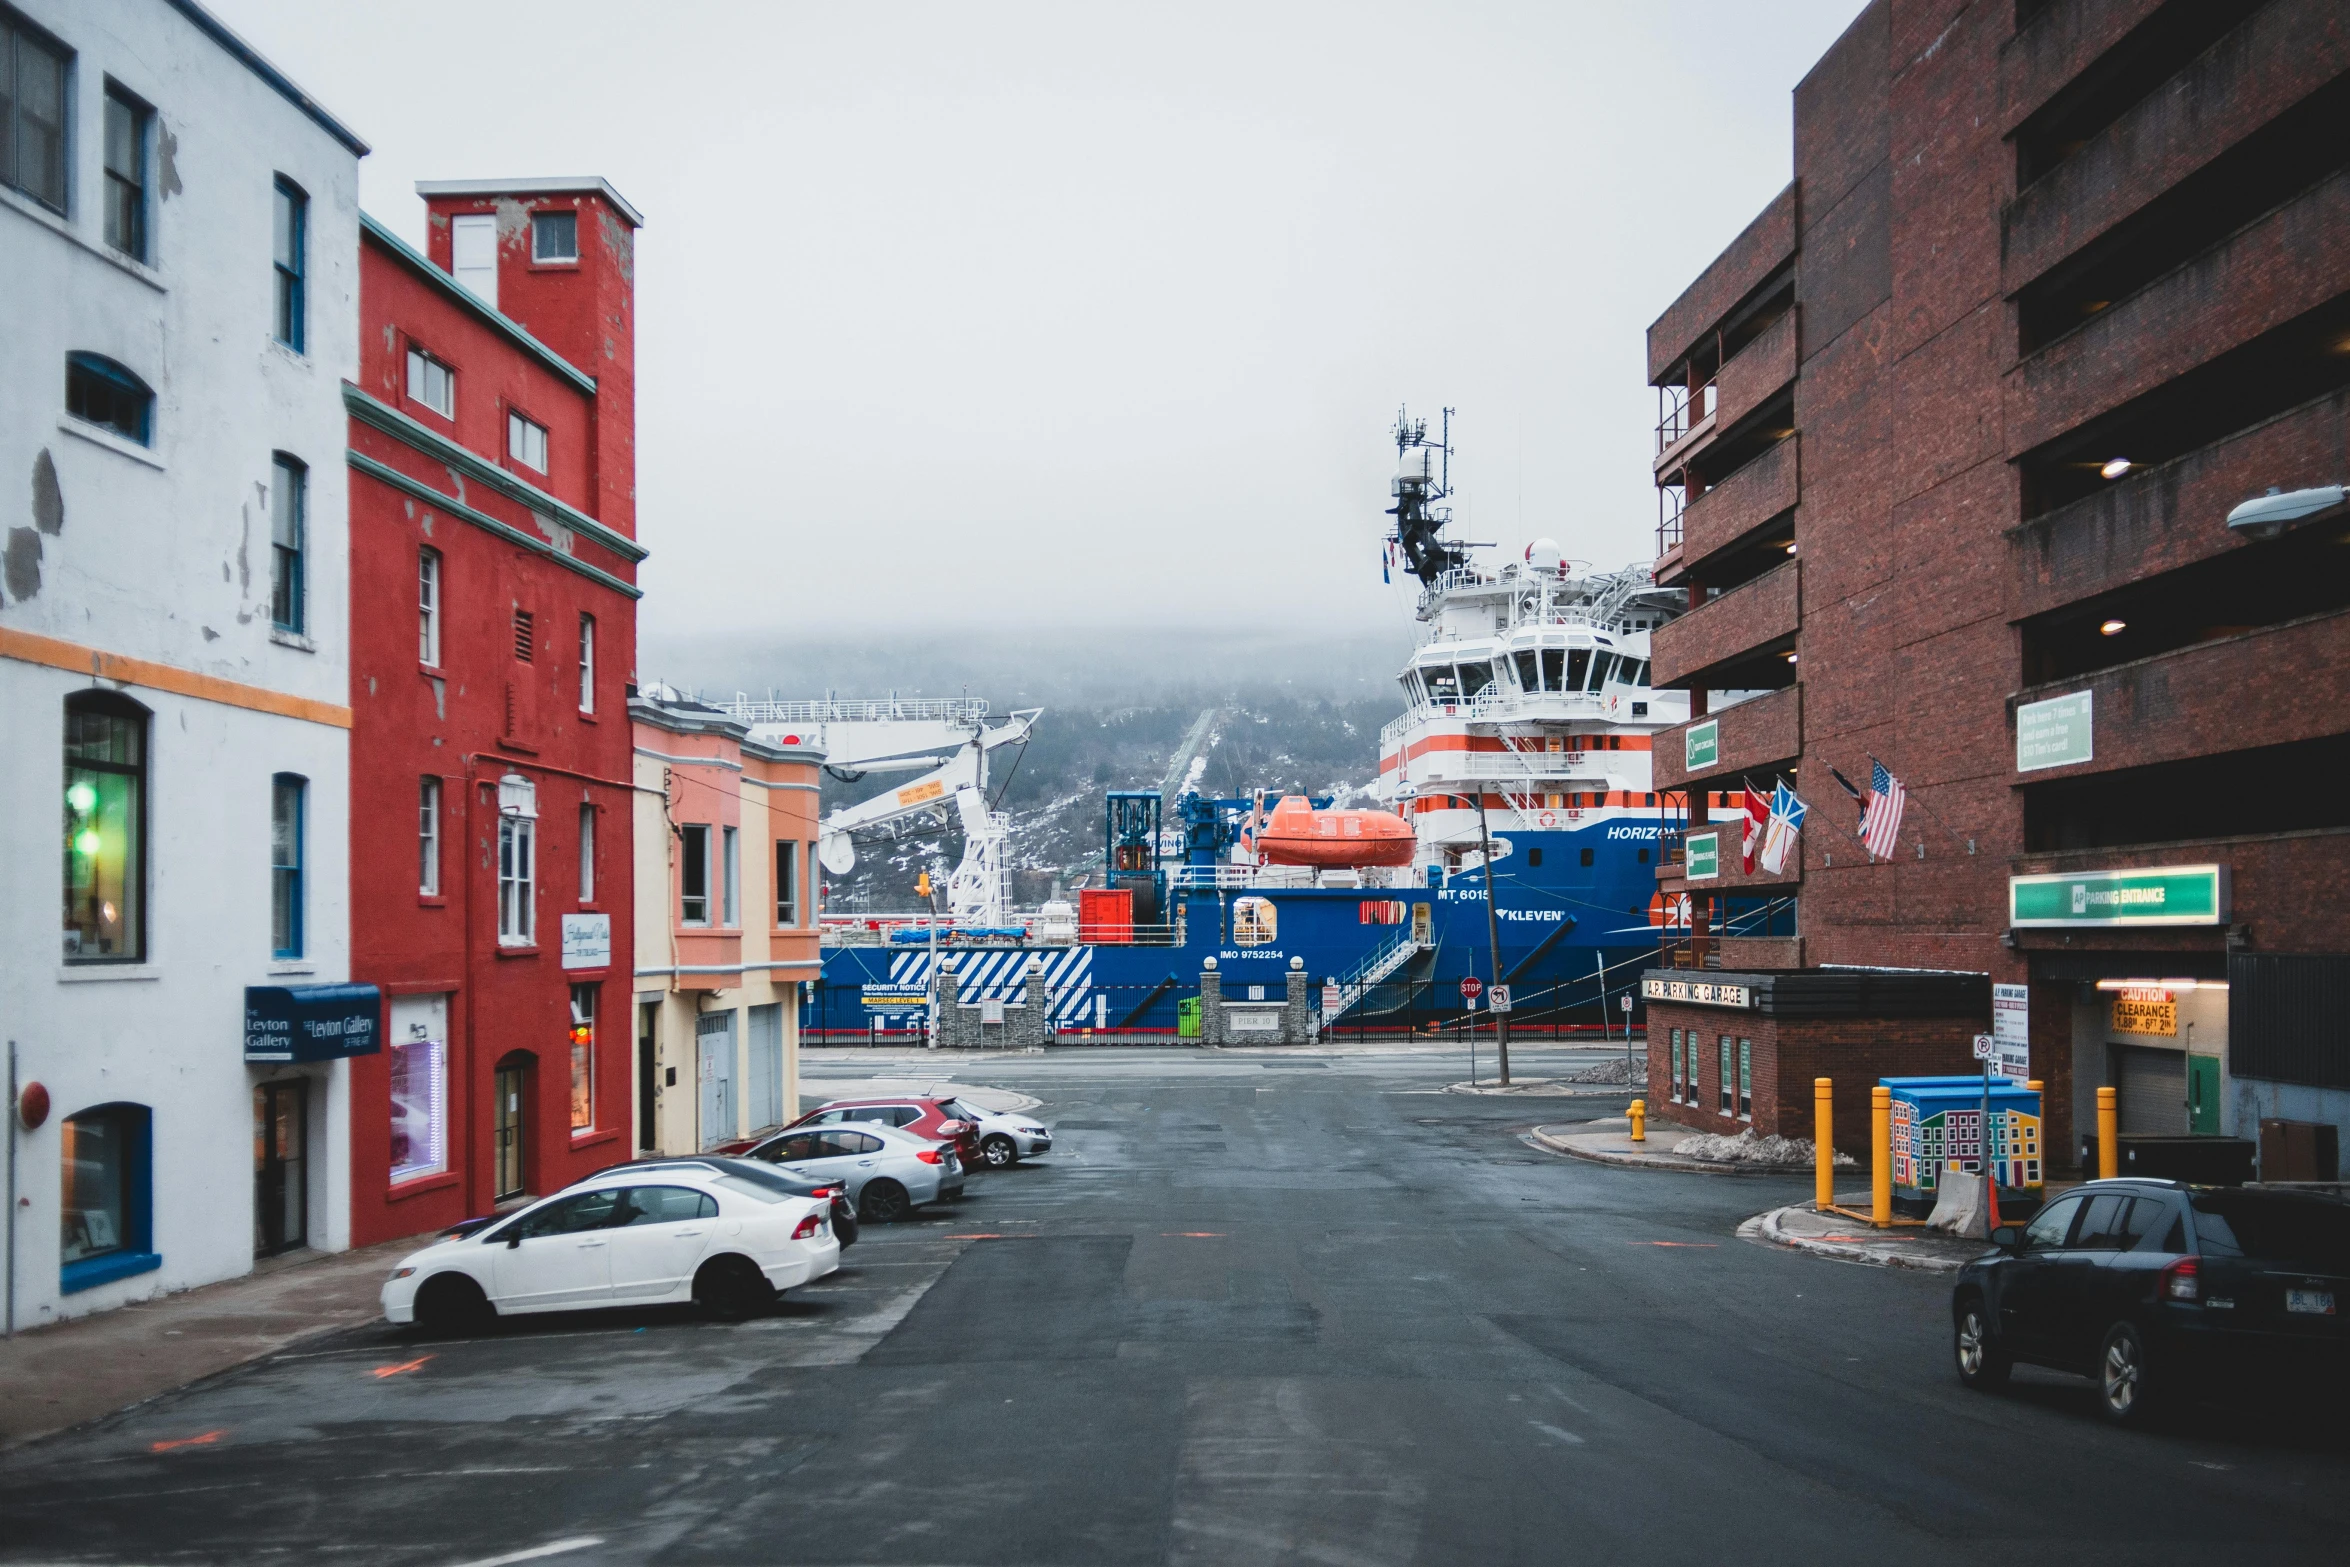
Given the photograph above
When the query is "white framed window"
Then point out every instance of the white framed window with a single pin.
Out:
(428, 607)
(787, 883)
(583, 1059)
(526, 442)
(587, 663)
(431, 383)
(518, 812)
(417, 1052)
(554, 236)
(730, 869)
(428, 838)
(693, 874)
(587, 853)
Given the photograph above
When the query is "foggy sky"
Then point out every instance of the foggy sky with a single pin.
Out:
(1002, 315)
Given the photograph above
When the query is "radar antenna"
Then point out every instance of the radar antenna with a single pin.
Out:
(1423, 480)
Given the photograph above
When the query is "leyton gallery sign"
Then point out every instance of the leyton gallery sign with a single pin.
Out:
(2156, 895)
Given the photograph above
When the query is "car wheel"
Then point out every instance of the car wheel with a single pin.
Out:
(883, 1202)
(2124, 1391)
(1982, 1365)
(999, 1153)
(731, 1288)
(451, 1303)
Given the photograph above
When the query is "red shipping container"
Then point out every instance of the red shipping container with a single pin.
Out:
(1105, 914)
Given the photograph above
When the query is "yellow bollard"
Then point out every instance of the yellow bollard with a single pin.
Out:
(1881, 1157)
(1639, 1114)
(1823, 1136)
(2109, 1153)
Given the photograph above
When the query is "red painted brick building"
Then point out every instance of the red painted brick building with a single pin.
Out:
(493, 521)
(1953, 431)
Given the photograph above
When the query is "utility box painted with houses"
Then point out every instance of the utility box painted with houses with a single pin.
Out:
(1938, 1121)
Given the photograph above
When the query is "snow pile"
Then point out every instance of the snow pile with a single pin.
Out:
(1612, 1071)
(1746, 1148)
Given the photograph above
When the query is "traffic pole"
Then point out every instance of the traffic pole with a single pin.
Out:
(1881, 1157)
(2109, 1116)
(1823, 1121)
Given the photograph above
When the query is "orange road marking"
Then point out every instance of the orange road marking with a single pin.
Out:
(1690, 1245)
(988, 1235)
(393, 1371)
(206, 1440)
(1192, 1235)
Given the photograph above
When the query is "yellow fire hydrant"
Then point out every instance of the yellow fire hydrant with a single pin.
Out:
(1639, 1114)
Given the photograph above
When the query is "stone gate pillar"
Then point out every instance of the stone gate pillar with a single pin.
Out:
(1211, 1003)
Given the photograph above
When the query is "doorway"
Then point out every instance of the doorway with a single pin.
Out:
(648, 1086)
(714, 1066)
(512, 1100)
(281, 1184)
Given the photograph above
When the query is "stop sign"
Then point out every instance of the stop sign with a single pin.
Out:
(1471, 988)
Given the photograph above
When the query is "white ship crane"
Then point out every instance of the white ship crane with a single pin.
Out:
(950, 737)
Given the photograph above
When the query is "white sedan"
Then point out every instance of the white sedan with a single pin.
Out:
(728, 1240)
(1004, 1139)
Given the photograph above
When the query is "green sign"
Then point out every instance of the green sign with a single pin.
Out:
(2054, 733)
(2159, 895)
(1701, 745)
(1704, 856)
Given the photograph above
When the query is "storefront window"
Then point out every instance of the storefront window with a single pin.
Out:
(105, 827)
(583, 1058)
(420, 1107)
(104, 1201)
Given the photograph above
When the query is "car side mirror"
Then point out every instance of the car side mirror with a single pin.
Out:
(514, 1237)
(2008, 1237)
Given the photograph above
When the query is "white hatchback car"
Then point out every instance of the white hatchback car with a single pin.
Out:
(727, 1240)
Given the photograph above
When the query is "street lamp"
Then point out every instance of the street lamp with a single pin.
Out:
(1405, 793)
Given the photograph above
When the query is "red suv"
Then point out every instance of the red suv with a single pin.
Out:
(923, 1117)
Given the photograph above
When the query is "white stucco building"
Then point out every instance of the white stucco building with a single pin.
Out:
(179, 235)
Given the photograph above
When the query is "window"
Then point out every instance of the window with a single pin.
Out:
(787, 883)
(428, 607)
(730, 872)
(98, 391)
(526, 442)
(587, 663)
(289, 505)
(285, 865)
(1584, 857)
(416, 1051)
(583, 1059)
(518, 812)
(432, 383)
(678, 1204)
(126, 173)
(554, 236)
(105, 828)
(2053, 1223)
(292, 244)
(693, 874)
(587, 854)
(1729, 1087)
(1745, 1079)
(428, 837)
(525, 636)
(106, 1196)
(32, 114)
(1676, 1066)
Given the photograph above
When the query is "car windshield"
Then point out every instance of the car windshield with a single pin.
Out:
(959, 1109)
(2240, 1224)
(747, 1185)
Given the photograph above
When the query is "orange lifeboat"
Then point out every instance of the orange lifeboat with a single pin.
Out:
(1297, 834)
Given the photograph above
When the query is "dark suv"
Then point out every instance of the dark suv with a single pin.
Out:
(2152, 1288)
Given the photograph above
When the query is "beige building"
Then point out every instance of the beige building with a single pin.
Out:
(726, 929)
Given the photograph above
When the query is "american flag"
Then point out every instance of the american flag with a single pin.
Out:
(1880, 821)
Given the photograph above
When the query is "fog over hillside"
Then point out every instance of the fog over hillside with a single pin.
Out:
(1289, 714)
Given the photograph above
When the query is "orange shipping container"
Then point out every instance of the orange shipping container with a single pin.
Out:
(1105, 914)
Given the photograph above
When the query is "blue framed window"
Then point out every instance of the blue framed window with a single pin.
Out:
(289, 523)
(291, 242)
(32, 112)
(286, 809)
(107, 1196)
(98, 391)
(127, 122)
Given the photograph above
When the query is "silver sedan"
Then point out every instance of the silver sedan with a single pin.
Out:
(887, 1171)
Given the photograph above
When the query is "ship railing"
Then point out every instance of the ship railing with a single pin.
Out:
(752, 710)
(1493, 704)
(1375, 967)
(1207, 878)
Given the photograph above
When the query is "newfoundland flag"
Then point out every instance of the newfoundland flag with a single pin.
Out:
(1787, 813)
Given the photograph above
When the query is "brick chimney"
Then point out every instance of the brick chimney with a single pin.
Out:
(507, 241)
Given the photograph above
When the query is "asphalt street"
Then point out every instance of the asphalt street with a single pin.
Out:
(1256, 1308)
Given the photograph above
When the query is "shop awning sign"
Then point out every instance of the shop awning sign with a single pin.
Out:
(2155, 895)
(312, 1022)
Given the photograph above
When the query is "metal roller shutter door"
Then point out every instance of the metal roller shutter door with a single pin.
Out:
(2153, 1090)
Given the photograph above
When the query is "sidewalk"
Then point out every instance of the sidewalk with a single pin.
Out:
(64, 1373)
(1851, 1240)
(1610, 1142)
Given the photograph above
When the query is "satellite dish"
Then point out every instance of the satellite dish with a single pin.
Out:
(836, 853)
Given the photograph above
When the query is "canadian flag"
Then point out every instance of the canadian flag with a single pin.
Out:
(1758, 816)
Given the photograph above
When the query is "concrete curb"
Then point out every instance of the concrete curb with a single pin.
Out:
(1542, 1137)
(1767, 1228)
(1544, 1088)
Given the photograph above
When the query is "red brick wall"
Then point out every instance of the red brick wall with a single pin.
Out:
(1753, 256)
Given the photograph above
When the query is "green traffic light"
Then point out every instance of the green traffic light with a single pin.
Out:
(89, 842)
(82, 797)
